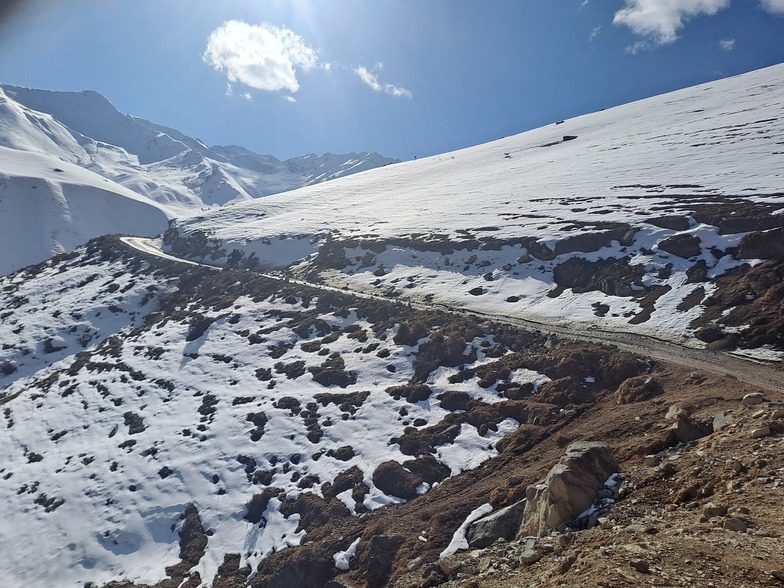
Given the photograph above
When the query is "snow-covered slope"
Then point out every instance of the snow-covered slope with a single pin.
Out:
(171, 172)
(623, 218)
(49, 206)
(162, 419)
(128, 394)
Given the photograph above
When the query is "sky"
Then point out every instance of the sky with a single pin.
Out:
(404, 78)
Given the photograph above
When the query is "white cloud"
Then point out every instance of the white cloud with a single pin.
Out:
(727, 44)
(595, 32)
(247, 96)
(369, 78)
(262, 56)
(773, 6)
(290, 99)
(660, 20)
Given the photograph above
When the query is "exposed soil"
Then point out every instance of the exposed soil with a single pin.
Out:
(657, 520)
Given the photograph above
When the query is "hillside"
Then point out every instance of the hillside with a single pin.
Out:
(634, 218)
(169, 172)
(339, 386)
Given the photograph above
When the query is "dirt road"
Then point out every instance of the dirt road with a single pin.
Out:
(762, 375)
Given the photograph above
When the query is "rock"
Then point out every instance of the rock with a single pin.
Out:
(565, 540)
(682, 245)
(415, 564)
(711, 510)
(641, 565)
(637, 389)
(760, 432)
(566, 564)
(193, 540)
(721, 419)
(709, 334)
(449, 564)
(569, 488)
(501, 523)
(529, 556)
(428, 468)
(737, 525)
(778, 575)
(674, 412)
(762, 245)
(686, 430)
(376, 560)
(393, 479)
(777, 414)
(753, 399)
(651, 461)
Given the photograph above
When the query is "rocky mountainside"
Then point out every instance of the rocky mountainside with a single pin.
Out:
(168, 424)
(173, 174)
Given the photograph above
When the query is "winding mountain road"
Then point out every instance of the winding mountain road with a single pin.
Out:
(767, 375)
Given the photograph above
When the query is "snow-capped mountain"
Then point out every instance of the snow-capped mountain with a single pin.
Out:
(657, 200)
(173, 173)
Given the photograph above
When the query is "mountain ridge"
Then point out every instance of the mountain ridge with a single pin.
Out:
(175, 173)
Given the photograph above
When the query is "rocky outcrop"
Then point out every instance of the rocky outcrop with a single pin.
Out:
(681, 245)
(684, 429)
(504, 523)
(569, 489)
(762, 245)
(393, 479)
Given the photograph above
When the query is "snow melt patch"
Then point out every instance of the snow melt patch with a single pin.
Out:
(343, 558)
(459, 540)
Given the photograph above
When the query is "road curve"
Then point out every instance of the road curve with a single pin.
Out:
(760, 374)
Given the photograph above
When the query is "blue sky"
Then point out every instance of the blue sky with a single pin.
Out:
(404, 78)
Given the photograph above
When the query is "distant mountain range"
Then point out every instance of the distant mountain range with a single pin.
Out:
(72, 167)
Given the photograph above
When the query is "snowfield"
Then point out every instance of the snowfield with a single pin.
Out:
(161, 419)
(115, 421)
(668, 186)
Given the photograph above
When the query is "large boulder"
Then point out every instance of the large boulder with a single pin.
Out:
(570, 488)
(762, 245)
(502, 523)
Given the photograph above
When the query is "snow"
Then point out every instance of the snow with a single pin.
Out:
(661, 156)
(68, 441)
(459, 540)
(127, 158)
(343, 558)
(106, 439)
(48, 206)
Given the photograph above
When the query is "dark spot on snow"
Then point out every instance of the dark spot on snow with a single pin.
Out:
(134, 422)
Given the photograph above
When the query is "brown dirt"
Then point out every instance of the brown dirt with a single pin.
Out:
(667, 501)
